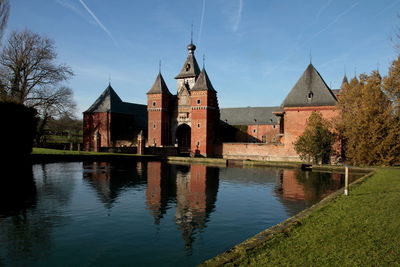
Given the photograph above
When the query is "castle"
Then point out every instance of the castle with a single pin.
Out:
(191, 122)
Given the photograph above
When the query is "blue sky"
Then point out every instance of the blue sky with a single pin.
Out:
(255, 50)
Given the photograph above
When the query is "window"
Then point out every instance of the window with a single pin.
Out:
(198, 125)
(254, 131)
(310, 95)
(264, 139)
(187, 67)
(198, 101)
(154, 103)
(198, 143)
(154, 125)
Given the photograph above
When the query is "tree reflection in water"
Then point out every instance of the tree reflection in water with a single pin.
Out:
(36, 207)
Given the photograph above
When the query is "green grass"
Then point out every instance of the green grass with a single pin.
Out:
(356, 230)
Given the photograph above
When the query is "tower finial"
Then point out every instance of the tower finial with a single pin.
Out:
(204, 60)
(310, 57)
(191, 35)
(159, 66)
(109, 79)
(355, 72)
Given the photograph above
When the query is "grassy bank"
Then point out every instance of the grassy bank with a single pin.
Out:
(360, 229)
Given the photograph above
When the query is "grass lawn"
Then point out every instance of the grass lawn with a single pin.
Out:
(362, 229)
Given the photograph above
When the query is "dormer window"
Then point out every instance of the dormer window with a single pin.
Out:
(310, 95)
(187, 67)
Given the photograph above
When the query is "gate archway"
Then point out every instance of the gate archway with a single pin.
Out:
(183, 136)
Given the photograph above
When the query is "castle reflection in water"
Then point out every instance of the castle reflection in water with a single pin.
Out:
(192, 189)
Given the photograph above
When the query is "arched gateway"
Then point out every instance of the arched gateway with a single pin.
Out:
(183, 136)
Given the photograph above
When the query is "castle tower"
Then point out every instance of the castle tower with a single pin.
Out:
(205, 115)
(190, 70)
(158, 101)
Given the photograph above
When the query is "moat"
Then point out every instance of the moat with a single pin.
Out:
(148, 213)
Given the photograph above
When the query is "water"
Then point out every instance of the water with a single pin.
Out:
(146, 214)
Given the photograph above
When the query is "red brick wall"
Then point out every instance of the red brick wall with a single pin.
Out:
(257, 151)
(93, 123)
(157, 106)
(256, 132)
(205, 119)
(295, 121)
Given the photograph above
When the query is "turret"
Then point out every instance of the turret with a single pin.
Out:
(205, 115)
(158, 101)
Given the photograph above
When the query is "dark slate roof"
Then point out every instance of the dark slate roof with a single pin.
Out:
(246, 116)
(106, 101)
(159, 86)
(203, 82)
(310, 82)
(109, 101)
(344, 81)
(192, 71)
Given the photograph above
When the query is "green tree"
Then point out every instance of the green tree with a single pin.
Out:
(316, 141)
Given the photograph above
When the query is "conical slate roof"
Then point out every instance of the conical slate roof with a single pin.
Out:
(344, 82)
(159, 86)
(106, 101)
(203, 83)
(310, 90)
(190, 68)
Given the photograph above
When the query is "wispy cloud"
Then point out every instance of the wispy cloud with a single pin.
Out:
(68, 5)
(334, 21)
(201, 21)
(238, 17)
(322, 9)
(98, 22)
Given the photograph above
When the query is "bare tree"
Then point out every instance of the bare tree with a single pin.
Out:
(29, 75)
(4, 12)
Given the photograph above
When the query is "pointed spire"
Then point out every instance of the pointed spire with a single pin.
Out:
(159, 86)
(191, 35)
(203, 83)
(190, 68)
(345, 81)
(159, 66)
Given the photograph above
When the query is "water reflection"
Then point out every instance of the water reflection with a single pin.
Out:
(17, 189)
(60, 212)
(307, 185)
(109, 179)
(36, 207)
(195, 189)
(196, 193)
(160, 189)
